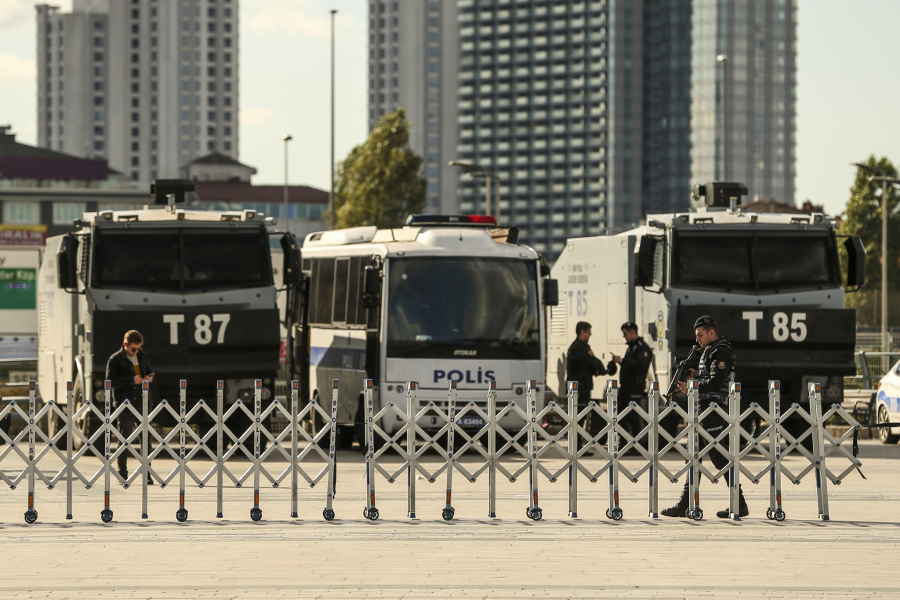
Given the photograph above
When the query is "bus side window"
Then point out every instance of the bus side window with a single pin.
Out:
(341, 284)
(353, 290)
(313, 287)
(360, 285)
(324, 291)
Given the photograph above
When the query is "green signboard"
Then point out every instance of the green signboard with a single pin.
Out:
(18, 288)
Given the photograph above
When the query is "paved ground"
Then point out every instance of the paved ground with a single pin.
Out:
(472, 557)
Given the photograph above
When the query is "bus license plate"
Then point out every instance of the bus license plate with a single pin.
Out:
(471, 422)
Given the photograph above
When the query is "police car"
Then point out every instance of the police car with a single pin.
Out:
(887, 405)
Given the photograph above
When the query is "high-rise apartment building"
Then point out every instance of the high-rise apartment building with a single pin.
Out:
(147, 84)
(542, 103)
(591, 113)
(413, 58)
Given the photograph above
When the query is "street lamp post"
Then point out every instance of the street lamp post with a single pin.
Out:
(286, 139)
(331, 195)
(476, 170)
(724, 60)
(878, 175)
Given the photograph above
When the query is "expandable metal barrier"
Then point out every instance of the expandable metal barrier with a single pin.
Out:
(489, 449)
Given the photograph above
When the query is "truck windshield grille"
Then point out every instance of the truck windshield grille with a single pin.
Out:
(181, 260)
(756, 262)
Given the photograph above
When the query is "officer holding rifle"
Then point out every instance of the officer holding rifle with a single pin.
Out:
(714, 372)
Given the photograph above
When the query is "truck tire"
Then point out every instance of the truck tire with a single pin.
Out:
(345, 434)
(359, 425)
(83, 424)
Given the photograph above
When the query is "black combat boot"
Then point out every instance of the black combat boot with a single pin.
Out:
(743, 510)
(680, 508)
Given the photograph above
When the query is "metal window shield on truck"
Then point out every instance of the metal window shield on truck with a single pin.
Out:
(772, 282)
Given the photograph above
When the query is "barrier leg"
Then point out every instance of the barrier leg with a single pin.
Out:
(694, 510)
(815, 403)
(294, 384)
(145, 462)
(181, 514)
(492, 450)
(106, 515)
(653, 446)
(370, 512)
(533, 511)
(411, 449)
(449, 511)
(70, 412)
(734, 437)
(220, 431)
(31, 514)
(572, 409)
(256, 512)
(328, 512)
(612, 406)
(775, 510)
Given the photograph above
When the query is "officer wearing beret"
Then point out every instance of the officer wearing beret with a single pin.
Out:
(714, 374)
(633, 375)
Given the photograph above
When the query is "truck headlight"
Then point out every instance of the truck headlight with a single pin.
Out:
(266, 393)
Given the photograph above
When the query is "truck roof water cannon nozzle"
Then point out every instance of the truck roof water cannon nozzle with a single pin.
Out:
(718, 194)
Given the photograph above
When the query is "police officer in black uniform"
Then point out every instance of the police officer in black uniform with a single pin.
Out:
(714, 374)
(582, 366)
(633, 376)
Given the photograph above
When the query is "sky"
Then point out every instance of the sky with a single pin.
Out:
(847, 87)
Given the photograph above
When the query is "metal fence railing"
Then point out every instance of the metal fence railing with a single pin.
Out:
(259, 456)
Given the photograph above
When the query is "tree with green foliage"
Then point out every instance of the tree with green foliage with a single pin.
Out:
(380, 182)
(864, 220)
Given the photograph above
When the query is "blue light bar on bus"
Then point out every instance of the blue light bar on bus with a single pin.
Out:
(450, 220)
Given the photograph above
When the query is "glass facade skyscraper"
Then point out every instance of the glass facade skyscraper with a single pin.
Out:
(759, 85)
(590, 113)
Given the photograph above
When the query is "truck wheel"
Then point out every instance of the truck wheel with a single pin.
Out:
(345, 435)
(884, 433)
(83, 424)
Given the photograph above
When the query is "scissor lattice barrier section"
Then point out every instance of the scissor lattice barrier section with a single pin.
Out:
(510, 442)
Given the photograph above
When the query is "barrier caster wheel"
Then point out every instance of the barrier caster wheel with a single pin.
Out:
(528, 512)
(181, 515)
(697, 515)
(537, 514)
(617, 514)
(779, 515)
(255, 514)
(106, 515)
(447, 514)
(30, 516)
(769, 514)
(373, 514)
(608, 514)
(328, 514)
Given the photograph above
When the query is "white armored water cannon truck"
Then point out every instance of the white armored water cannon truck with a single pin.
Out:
(771, 281)
(197, 284)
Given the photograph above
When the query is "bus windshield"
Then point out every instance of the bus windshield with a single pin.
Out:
(182, 261)
(446, 307)
(754, 262)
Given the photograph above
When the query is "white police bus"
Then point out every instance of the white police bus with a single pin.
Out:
(442, 298)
